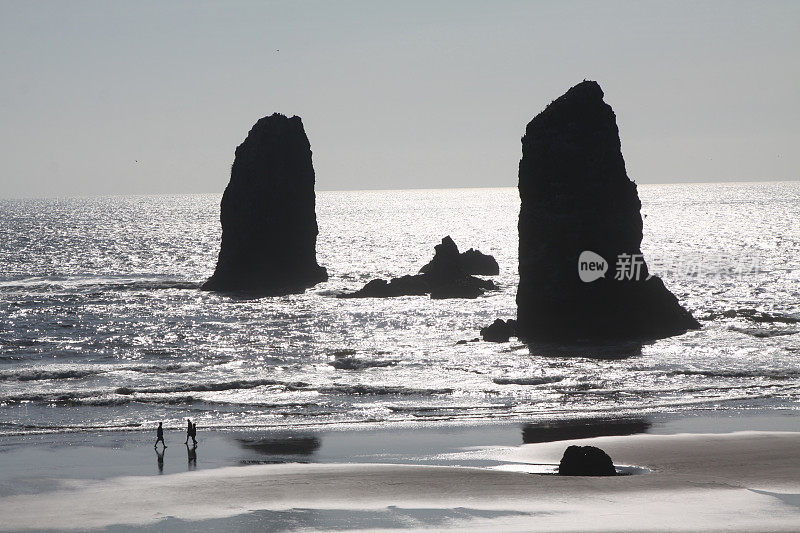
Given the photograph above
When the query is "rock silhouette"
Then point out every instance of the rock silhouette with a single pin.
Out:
(470, 262)
(576, 197)
(269, 226)
(586, 461)
(446, 276)
(500, 330)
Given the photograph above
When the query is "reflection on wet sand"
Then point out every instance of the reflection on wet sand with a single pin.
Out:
(279, 449)
(582, 429)
(160, 459)
(191, 452)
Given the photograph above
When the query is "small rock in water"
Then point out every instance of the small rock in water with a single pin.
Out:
(500, 330)
(586, 461)
(470, 262)
(444, 277)
(476, 262)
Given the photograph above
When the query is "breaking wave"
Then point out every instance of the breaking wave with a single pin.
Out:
(83, 285)
(381, 390)
(543, 380)
(765, 333)
(37, 375)
(43, 374)
(356, 363)
(760, 373)
(206, 387)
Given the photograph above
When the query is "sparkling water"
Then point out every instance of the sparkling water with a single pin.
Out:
(103, 325)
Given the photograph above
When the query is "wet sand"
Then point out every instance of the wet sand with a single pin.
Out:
(746, 481)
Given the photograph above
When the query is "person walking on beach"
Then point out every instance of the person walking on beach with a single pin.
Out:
(191, 431)
(160, 436)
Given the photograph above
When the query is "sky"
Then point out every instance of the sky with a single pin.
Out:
(144, 97)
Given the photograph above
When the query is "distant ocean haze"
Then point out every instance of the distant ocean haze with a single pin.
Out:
(104, 325)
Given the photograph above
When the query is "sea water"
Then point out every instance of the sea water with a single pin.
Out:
(103, 324)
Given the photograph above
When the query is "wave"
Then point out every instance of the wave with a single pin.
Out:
(445, 408)
(356, 363)
(73, 428)
(53, 397)
(21, 343)
(343, 352)
(381, 390)
(106, 401)
(528, 381)
(44, 374)
(94, 286)
(151, 285)
(79, 396)
(207, 387)
(124, 395)
(765, 333)
(158, 369)
(764, 373)
(753, 315)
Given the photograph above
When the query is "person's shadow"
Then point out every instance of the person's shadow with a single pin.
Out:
(160, 459)
(192, 455)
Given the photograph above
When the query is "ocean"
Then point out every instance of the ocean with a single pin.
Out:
(103, 325)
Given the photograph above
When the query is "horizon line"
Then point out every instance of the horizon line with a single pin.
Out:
(690, 181)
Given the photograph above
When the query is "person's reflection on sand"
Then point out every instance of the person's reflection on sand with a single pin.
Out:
(192, 455)
(160, 459)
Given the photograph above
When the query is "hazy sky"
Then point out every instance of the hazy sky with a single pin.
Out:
(392, 94)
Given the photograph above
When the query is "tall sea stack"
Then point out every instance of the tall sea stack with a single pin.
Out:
(576, 198)
(269, 226)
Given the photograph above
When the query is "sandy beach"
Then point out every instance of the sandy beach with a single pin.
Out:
(743, 481)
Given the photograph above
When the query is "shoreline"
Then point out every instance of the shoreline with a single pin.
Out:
(93, 454)
(481, 474)
(732, 481)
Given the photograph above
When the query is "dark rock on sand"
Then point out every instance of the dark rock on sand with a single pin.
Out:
(444, 277)
(470, 262)
(586, 461)
(576, 196)
(500, 330)
(269, 226)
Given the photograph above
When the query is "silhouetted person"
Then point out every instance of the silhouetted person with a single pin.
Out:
(193, 433)
(188, 430)
(160, 459)
(160, 436)
(192, 455)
